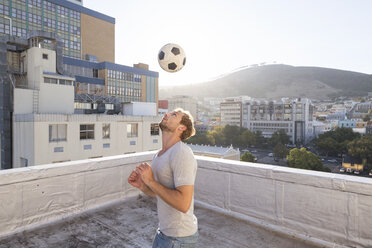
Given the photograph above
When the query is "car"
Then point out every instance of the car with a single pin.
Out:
(254, 151)
(357, 172)
(349, 170)
(370, 173)
(342, 170)
(270, 154)
(332, 160)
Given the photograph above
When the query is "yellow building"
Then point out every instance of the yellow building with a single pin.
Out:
(352, 163)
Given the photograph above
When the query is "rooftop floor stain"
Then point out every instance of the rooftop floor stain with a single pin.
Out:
(133, 223)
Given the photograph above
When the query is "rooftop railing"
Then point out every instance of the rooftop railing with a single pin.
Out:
(330, 210)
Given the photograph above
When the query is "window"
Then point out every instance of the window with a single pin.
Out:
(45, 56)
(154, 129)
(132, 130)
(57, 132)
(50, 80)
(95, 73)
(87, 131)
(105, 131)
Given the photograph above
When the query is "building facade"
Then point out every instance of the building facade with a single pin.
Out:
(185, 102)
(231, 111)
(83, 31)
(45, 127)
(52, 138)
(59, 58)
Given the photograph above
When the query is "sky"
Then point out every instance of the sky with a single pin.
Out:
(219, 37)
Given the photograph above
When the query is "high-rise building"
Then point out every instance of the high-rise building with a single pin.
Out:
(82, 42)
(232, 111)
(83, 31)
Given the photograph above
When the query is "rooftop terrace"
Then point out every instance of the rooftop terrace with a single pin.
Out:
(89, 203)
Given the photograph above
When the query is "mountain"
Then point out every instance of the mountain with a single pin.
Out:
(278, 80)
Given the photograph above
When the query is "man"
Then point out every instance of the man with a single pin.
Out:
(170, 179)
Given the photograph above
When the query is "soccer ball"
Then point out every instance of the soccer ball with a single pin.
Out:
(171, 58)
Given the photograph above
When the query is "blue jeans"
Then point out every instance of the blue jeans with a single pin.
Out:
(163, 241)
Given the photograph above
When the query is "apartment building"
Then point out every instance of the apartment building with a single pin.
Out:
(58, 57)
(294, 116)
(45, 127)
(232, 110)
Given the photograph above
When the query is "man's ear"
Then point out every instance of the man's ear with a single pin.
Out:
(182, 128)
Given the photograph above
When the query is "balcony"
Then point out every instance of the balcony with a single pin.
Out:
(89, 203)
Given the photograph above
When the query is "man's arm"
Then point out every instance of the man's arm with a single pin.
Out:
(179, 198)
(135, 180)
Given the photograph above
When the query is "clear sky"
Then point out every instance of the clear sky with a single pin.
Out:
(221, 36)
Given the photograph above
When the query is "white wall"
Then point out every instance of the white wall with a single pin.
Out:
(45, 152)
(23, 101)
(140, 109)
(41, 194)
(331, 210)
(56, 99)
(23, 142)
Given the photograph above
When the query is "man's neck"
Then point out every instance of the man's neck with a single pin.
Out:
(168, 140)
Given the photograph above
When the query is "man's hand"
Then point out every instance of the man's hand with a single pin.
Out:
(135, 180)
(145, 172)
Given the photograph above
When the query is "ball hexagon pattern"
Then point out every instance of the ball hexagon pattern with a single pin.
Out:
(171, 57)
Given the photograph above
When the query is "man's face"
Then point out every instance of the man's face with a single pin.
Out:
(170, 121)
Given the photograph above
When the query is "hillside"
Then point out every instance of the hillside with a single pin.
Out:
(276, 81)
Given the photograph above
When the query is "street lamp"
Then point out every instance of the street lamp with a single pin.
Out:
(10, 24)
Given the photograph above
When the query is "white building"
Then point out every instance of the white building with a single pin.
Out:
(294, 116)
(185, 102)
(52, 138)
(231, 110)
(46, 130)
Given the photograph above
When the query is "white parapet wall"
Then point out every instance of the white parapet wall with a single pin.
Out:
(331, 210)
(37, 195)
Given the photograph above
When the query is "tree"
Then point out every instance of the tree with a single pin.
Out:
(335, 141)
(231, 134)
(303, 159)
(260, 139)
(279, 137)
(218, 136)
(328, 145)
(201, 139)
(361, 148)
(248, 157)
(248, 138)
(280, 151)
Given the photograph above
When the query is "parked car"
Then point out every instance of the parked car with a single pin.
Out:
(254, 151)
(357, 172)
(342, 170)
(349, 170)
(270, 154)
(332, 160)
(370, 173)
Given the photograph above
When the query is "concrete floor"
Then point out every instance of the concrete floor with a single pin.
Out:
(133, 224)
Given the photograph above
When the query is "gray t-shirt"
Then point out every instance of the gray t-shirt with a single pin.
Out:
(174, 168)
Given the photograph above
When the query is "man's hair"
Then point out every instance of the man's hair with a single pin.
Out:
(188, 121)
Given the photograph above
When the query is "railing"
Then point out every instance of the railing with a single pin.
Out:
(331, 210)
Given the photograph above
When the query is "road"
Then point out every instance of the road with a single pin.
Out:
(263, 157)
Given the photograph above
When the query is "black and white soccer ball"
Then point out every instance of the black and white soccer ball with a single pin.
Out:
(171, 58)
